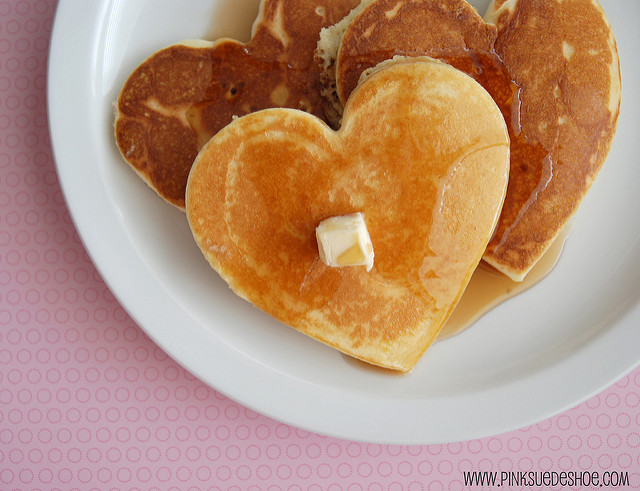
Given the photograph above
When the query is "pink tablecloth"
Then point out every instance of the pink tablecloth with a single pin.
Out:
(87, 401)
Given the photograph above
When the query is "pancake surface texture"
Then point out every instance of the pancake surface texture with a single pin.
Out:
(563, 57)
(184, 94)
(382, 29)
(423, 153)
(553, 69)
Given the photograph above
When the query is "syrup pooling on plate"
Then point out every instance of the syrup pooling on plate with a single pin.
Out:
(489, 288)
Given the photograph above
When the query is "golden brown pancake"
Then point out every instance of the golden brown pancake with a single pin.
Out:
(184, 94)
(381, 29)
(563, 119)
(551, 66)
(423, 152)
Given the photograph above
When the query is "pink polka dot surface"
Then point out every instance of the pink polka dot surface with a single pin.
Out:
(88, 401)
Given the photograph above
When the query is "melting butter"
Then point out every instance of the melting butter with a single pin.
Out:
(345, 241)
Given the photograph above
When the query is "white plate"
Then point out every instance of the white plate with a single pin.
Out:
(534, 356)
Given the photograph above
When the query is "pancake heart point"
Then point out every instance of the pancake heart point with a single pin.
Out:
(423, 153)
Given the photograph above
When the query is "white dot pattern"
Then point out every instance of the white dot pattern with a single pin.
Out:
(89, 402)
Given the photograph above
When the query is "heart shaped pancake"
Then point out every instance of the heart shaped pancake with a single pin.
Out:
(558, 89)
(182, 95)
(423, 153)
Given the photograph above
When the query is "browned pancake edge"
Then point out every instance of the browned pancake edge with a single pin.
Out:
(179, 97)
(567, 107)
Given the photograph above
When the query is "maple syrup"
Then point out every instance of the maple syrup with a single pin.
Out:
(489, 288)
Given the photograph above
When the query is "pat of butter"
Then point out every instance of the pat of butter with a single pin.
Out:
(344, 241)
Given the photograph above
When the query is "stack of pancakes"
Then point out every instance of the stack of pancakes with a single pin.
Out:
(557, 87)
(459, 138)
